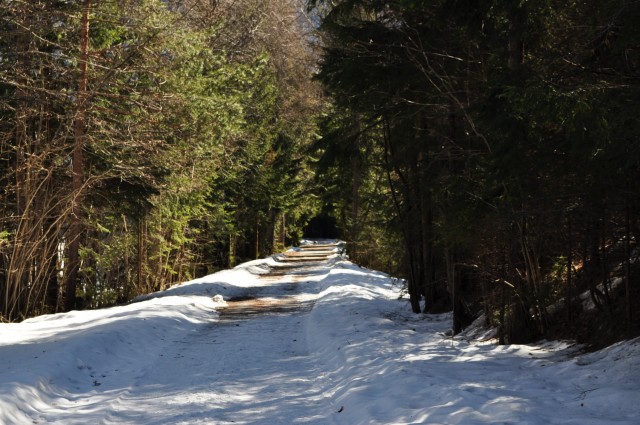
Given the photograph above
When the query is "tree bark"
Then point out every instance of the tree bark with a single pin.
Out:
(413, 278)
(75, 229)
(257, 240)
(517, 18)
(568, 288)
(627, 263)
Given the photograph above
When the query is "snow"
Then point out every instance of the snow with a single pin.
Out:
(340, 348)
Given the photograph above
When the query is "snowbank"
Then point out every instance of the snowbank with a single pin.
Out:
(387, 366)
(357, 357)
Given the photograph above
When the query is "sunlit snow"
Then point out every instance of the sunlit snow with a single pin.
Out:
(317, 341)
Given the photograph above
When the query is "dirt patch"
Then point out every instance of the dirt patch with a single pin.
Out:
(246, 307)
(322, 255)
(293, 267)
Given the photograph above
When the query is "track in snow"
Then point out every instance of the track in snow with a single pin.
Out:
(194, 382)
(294, 268)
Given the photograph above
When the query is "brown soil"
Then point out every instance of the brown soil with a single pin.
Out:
(294, 267)
(245, 308)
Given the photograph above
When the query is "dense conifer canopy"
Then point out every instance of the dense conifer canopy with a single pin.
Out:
(497, 143)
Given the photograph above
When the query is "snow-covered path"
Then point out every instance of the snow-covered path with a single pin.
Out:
(252, 366)
(249, 384)
(310, 342)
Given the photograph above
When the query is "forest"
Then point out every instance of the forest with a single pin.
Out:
(485, 151)
(146, 142)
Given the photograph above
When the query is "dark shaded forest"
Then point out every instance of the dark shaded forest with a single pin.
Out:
(486, 151)
(490, 150)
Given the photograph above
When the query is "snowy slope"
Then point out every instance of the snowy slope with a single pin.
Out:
(348, 353)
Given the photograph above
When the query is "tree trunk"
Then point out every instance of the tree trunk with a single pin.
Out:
(356, 185)
(415, 283)
(568, 289)
(502, 329)
(232, 251)
(257, 240)
(426, 246)
(284, 230)
(456, 304)
(141, 252)
(627, 263)
(414, 279)
(75, 229)
(517, 16)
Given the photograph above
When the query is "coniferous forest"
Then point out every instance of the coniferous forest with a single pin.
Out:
(145, 142)
(486, 151)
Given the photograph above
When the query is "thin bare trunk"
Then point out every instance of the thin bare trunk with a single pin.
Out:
(75, 230)
(627, 280)
(568, 288)
(516, 43)
(257, 241)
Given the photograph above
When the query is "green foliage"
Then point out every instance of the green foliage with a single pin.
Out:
(193, 138)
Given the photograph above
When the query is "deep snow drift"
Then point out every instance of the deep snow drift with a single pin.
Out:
(345, 350)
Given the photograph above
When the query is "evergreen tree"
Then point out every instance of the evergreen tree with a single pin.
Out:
(495, 119)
